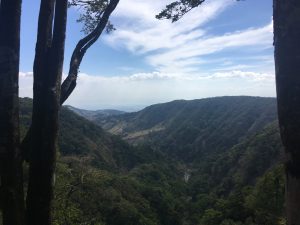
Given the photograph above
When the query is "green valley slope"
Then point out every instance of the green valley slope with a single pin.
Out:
(207, 162)
(189, 129)
(80, 137)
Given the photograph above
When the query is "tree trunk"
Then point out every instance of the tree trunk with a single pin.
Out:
(287, 65)
(46, 103)
(12, 198)
(42, 136)
(69, 83)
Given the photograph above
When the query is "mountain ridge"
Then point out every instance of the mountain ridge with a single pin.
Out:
(94, 114)
(184, 126)
(79, 137)
(102, 179)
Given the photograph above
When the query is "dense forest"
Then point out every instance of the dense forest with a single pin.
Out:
(102, 179)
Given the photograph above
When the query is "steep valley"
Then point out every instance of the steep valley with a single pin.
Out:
(204, 162)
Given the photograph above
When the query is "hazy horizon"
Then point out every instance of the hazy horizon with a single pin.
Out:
(221, 48)
(134, 108)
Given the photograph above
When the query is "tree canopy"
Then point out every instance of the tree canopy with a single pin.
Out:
(178, 9)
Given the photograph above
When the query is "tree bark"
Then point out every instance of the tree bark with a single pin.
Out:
(11, 182)
(46, 103)
(287, 64)
(39, 145)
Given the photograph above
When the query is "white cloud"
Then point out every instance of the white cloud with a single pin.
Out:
(177, 52)
(140, 32)
(150, 88)
(94, 92)
(26, 74)
(25, 84)
(253, 76)
(181, 46)
(205, 46)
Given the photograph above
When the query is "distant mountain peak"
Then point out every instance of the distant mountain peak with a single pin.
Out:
(94, 114)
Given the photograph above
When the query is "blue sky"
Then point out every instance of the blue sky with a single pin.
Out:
(222, 48)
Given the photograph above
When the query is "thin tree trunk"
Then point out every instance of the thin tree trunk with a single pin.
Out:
(11, 183)
(46, 103)
(287, 64)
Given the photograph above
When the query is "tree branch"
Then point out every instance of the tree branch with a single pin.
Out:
(178, 9)
(82, 46)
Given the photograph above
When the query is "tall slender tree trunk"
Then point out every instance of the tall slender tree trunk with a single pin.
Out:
(46, 103)
(42, 137)
(11, 187)
(287, 65)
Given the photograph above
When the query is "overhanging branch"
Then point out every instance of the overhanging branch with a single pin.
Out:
(82, 46)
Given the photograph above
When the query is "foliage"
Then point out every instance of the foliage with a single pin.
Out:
(188, 130)
(211, 217)
(85, 195)
(105, 181)
(267, 198)
(91, 14)
(177, 9)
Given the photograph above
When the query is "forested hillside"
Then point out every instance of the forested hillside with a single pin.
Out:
(234, 178)
(80, 137)
(190, 129)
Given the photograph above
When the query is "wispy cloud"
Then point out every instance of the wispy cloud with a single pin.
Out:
(189, 61)
(140, 32)
(205, 46)
(182, 46)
